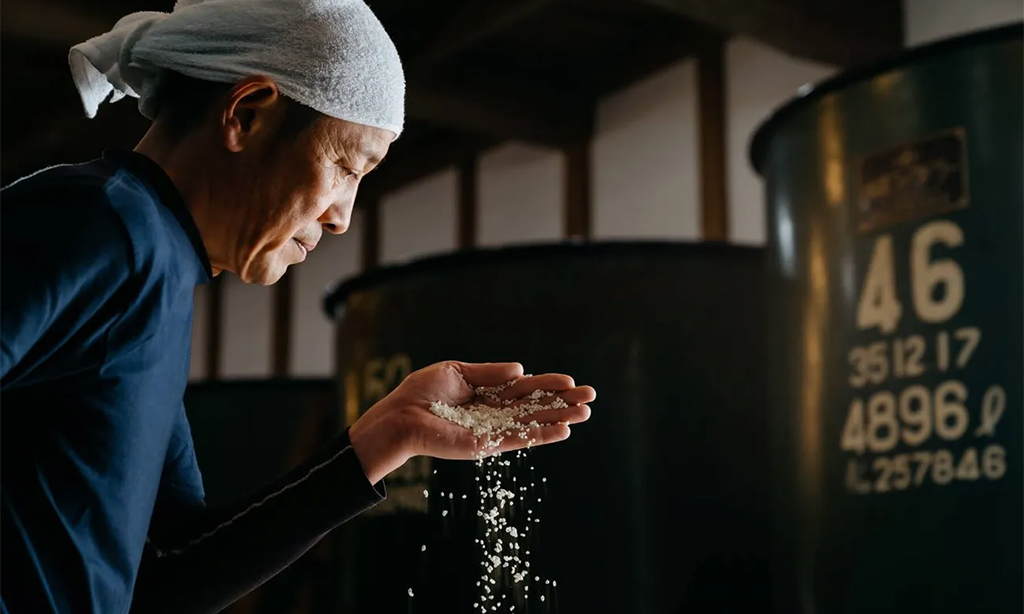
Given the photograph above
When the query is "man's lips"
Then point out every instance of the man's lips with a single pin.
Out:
(308, 247)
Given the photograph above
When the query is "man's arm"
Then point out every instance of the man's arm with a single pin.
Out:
(202, 561)
(205, 559)
(64, 254)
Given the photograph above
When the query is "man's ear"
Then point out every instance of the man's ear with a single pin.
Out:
(249, 108)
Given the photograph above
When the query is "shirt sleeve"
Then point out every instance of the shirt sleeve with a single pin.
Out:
(64, 254)
(181, 484)
(222, 553)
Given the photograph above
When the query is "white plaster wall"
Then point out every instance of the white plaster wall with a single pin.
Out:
(929, 20)
(519, 195)
(420, 219)
(312, 334)
(644, 159)
(758, 79)
(246, 326)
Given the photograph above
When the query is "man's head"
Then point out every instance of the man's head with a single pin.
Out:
(261, 174)
(264, 176)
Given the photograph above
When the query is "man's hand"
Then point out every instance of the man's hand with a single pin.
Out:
(401, 425)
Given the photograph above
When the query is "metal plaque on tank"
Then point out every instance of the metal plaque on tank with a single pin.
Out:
(912, 181)
(896, 213)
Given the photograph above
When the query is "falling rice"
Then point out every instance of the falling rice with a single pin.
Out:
(499, 507)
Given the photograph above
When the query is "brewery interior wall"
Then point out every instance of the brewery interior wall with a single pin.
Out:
(645, 171)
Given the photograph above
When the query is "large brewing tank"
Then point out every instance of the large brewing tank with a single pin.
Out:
(657, 505)
(895, 243)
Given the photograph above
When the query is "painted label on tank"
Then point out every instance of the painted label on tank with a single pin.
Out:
(913, 419)
(923, 410)
(365, 385)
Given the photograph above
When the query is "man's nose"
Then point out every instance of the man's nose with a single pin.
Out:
(338, 217)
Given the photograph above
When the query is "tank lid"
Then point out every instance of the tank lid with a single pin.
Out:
(445, 263)
(811, 93)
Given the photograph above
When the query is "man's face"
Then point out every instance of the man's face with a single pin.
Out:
(288, 191)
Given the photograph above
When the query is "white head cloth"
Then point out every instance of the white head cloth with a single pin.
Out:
(331, 55)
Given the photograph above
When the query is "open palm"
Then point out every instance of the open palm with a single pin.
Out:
(404, 419)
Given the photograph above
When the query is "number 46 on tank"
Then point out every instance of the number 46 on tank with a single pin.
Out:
(880, 307)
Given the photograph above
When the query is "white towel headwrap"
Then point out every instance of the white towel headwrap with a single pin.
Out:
(331, 55)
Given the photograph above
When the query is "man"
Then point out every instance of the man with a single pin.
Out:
(266, 115)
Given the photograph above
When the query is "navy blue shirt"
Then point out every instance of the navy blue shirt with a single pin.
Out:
(99, 265)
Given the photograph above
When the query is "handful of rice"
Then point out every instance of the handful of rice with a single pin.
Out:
(495, 422)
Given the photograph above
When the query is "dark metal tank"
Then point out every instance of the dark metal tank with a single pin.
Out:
(895, 201)
(659, 504)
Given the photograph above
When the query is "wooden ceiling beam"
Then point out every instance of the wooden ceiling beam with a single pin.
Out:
(657, 53)
(478, 20)
(544, 123)
(838, 33)
(52, 23)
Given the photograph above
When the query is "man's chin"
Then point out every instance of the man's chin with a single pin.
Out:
(274, 276)
(267, 275)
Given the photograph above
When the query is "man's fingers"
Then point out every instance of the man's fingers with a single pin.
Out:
(548, 381)
(535, 436)
(574, 414)
(574, 396)
(488, 374)
(531, 436)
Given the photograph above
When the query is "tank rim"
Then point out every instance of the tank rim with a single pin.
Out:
(813, 92)
(339, 292)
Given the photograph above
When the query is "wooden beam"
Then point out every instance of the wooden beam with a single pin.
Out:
(214, 336)
(576, 185)
(370, 255)
(282, 325)
(840, 33)
(655, 54)
(711, 126)
(477, 21)
(549, 122)
(467, 203)
(53, 23)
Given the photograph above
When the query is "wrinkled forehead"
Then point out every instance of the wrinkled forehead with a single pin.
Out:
(367, 143)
